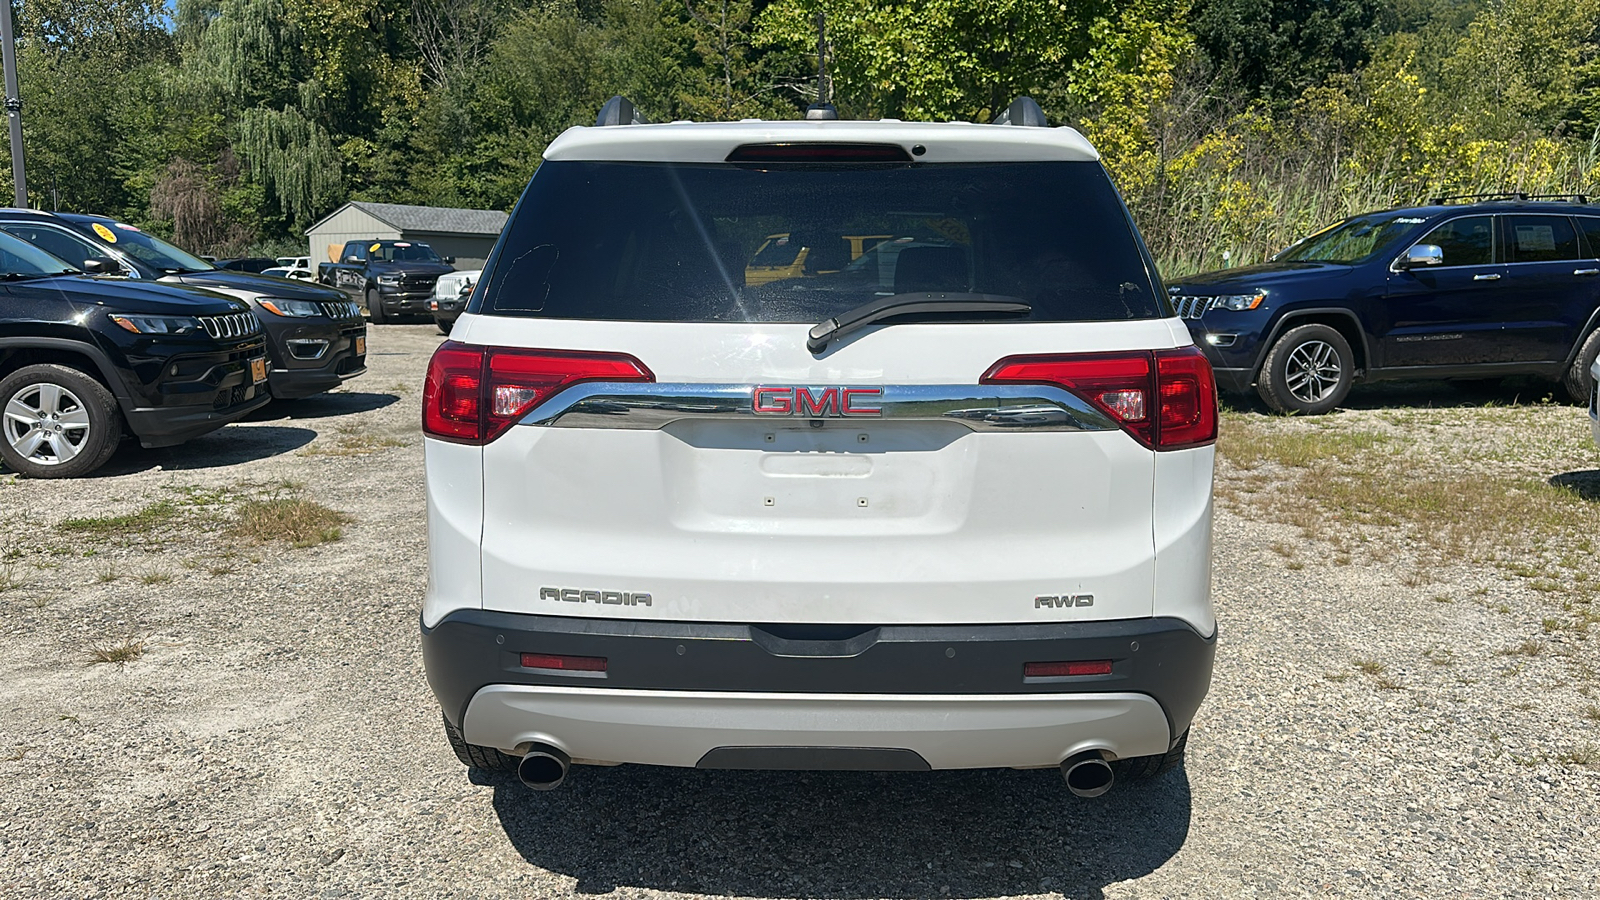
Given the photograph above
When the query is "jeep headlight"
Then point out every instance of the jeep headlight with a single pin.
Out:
(158, 324)
(299, 309)
(390, 280)
(1239, 302)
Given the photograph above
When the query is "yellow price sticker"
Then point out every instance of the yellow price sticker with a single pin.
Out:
(105, 233)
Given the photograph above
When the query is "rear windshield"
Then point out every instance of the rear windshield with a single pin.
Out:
(709, 243)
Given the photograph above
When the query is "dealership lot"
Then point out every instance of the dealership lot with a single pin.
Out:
(1407, 698)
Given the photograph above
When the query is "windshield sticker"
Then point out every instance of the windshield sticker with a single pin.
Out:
(1410, 221)
(374, 248)
(105, 233)
(126, 227)
(401, 244)
(1536, 237)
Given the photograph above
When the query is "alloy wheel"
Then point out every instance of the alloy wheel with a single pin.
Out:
(1312, 371)
(46, 424)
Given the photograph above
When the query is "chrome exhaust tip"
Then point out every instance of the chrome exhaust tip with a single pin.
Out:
(1087, 774)
(544, 767)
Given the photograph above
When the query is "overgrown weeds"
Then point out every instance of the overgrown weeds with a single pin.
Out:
(296, 521)
(119, 653)
(156, 514)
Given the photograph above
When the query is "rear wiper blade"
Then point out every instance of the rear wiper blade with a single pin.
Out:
(922, 302)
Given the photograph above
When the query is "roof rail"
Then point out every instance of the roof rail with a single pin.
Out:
(1022, 111)
(1507, 195)
(619, 110)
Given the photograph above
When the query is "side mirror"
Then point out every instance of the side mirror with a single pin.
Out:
(1422, 255)
(353, 259)
(450, 260)
(102, 265)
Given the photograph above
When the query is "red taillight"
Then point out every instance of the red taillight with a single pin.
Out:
(564, 663)
(1062, 669)
(1188, 392)
(1167, 399)
(473, 394)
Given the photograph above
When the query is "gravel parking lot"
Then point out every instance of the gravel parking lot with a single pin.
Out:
(1404, 705)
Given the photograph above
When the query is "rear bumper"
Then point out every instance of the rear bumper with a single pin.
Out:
(955, 695)
(710, 729)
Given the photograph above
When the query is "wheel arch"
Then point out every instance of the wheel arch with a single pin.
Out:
(1339, 319)
(17, 352)
(1583, 335)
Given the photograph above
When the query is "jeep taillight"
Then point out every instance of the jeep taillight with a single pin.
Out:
(473, 394)
(1166, 399)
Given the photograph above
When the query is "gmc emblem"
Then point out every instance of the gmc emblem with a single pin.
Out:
(817, 403)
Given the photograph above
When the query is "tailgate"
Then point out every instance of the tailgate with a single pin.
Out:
(878, 484)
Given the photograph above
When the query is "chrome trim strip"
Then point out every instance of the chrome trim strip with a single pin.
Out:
(985, 408)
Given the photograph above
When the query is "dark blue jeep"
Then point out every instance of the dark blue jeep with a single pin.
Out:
(1506, 285)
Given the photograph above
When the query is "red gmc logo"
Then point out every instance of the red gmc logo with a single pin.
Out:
(817, 403)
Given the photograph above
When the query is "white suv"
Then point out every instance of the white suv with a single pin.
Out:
(938, 498)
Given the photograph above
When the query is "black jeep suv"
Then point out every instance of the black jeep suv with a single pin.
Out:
(83, 359)
(1503, 285)
(316, 338)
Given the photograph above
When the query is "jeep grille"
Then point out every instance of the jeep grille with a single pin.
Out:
(1192, 307)
(338, 309)
(230, 325)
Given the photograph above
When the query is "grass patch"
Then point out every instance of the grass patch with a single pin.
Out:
(1581, 755)
(108, 574)
(8, 576)
(1369, 666)
(1249, 446)
(153, 578)
(1529, 647)
(156, 514)
(120, 654)
(352, 444)
(293, 520)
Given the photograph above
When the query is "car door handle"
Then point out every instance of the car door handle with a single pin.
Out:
(1486, 278)
(1586, 271)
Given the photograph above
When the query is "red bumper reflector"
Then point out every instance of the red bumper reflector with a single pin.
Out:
(1058, 669)
(565, 663)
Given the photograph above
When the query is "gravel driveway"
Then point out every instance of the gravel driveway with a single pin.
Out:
(277, 737)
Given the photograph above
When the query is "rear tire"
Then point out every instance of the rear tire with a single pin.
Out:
(1143, 768)
(375, 308)
(1577, 380)
(56, 422)
(1308, 371)
(474, 756)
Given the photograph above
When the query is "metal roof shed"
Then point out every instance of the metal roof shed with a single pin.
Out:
(466, 234)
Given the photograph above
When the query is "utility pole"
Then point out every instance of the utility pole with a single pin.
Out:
(13, 104)
(824, 86)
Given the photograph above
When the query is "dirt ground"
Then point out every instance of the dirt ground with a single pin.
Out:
(1403, 706)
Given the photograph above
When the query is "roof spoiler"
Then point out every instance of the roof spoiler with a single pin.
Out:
(619, 110)
(1022, 111)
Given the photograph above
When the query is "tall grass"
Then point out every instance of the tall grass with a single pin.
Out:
(1241, 193)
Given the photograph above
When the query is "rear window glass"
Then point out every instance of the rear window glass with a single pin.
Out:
(718, 242)
(1542, 238)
